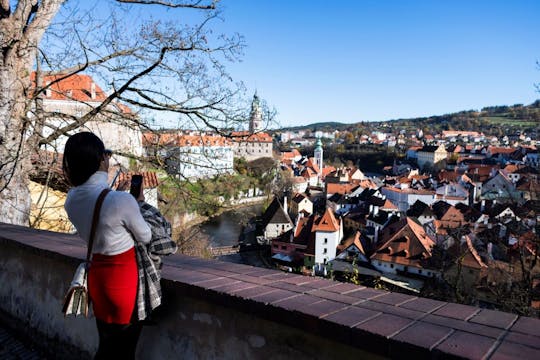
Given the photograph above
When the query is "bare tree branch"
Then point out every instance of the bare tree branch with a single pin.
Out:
(193, 5)
(108, 100)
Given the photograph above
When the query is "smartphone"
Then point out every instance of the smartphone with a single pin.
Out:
(136, 183)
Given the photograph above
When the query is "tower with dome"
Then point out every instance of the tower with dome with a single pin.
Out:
(318, 155)
(254, 143)
(255, 117)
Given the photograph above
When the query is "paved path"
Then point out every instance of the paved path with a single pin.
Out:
(11, 348)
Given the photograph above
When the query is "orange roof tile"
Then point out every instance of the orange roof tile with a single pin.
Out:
(312, 164)
(289, 155)
(334, 188)
(246, 136)
(405, 243)
(150, 179)
(181, 140)
(500, 150)
(308, 173)
(388, 205)
(76, 87)
(327, 170)
(355, 239)
(327, 222)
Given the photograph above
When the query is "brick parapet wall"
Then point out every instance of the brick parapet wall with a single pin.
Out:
(331, 318)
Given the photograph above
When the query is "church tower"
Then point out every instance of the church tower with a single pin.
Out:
(318, 155)
(255, 117)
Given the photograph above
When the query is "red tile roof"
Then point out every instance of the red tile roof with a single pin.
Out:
(308, 173)
(150, 179)
(355, 239)
(404, 242)
(500, 150)
(450, 133)
(289, 155)
(181, 140)
(388, 205)
(333, 188)
(327, 222)
(312, 164)
(246, 136)
(76, 87)
(327, 170)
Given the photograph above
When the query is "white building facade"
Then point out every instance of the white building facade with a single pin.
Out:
(200, 156)
(77, 95)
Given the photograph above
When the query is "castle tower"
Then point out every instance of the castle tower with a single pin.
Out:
(318, 155)
(255, 117)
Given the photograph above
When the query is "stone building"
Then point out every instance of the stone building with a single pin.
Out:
(430, 155)
(251, 146)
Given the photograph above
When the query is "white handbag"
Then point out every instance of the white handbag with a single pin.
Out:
(77, 301)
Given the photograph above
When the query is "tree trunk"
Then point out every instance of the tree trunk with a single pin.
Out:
(21, 30)
(14, 154)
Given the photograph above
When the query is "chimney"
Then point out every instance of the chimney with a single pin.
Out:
(285, 204)
(93, 90)
(48, 89)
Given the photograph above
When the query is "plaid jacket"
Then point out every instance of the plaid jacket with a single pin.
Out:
(149, 260)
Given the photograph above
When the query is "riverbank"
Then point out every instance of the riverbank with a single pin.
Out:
(188, 220)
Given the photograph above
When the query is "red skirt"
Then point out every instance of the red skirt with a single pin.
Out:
(112, 286)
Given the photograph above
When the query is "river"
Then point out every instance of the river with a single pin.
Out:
(225, 229)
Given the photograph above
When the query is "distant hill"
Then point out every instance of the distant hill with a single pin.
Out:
(321, 126)
(492, 120)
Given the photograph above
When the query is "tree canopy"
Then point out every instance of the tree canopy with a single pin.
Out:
(168, 65)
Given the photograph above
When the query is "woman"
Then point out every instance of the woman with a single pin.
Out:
(113, 274)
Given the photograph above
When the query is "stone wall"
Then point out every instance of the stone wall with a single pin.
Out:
(218, 310)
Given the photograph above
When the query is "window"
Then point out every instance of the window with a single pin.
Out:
(283, 247)
(392, 266)
(275, 246)
(419, 271)
(325, 240)
(325, 251)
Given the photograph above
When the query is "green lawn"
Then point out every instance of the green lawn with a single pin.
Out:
(500, 120)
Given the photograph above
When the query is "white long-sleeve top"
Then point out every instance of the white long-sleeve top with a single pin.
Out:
(120, 220)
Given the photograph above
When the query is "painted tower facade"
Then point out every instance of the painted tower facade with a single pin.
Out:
(318, 155)
(255, 118)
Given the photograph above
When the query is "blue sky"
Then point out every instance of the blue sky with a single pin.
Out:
(371, 60)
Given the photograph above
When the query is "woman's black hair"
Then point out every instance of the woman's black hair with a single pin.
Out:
(83, 154)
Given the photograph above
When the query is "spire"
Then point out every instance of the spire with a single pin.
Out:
(318, 144)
